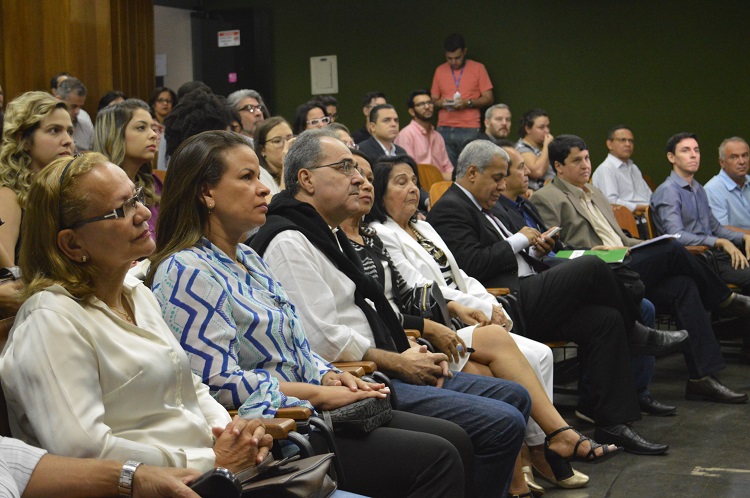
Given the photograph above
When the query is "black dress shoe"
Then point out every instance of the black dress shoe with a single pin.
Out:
(652, 407)
(710, 389)
(624, 435)
(738, 306)
(648, 341)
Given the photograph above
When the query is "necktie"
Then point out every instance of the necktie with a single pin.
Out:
(534, 263)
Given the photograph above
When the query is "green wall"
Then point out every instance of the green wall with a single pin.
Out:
(659, 66)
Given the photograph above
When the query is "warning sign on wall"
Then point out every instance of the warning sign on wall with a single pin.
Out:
(229, 38)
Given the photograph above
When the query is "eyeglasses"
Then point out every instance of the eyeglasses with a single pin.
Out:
(251, 108)
(333, 116)
(280, 141)
(317, 121)
(123, 211)
(424, 104)
(347, 166)
(164, 101)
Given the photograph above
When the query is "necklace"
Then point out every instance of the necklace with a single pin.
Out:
(123, 314)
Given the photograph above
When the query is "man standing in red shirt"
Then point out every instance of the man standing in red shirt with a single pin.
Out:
(460, 88)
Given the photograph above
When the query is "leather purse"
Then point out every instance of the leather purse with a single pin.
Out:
(289, 478)
(428, 302)
(360, 417)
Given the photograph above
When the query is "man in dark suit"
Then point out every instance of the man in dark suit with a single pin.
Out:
(580, 301)
(675, 279)
(384, 128)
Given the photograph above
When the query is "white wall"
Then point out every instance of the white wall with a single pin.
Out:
(172, 36)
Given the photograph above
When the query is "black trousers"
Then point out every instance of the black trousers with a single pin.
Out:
(684, 286)
(730, 275)
(411, 456)
(582, 301)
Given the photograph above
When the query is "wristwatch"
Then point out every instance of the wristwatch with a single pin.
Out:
(125, 486)
(471, 104)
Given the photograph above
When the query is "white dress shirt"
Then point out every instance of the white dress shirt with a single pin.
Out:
(17, 461)
(622, 182)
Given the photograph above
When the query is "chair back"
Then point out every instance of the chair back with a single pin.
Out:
(650, 223)
(5, 325)
(160, 174)
(428, 175)
(625, 219)
(437, 190)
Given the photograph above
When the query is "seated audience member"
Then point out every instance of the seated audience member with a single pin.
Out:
(419, 138)
(371, 100)
(343, 134)
(111, 382)
(534, 138)
(198, 111)
(619, 178)
(33, 473)
(497, 353)
(497, 121)
(252, 109)
(55, 82)
(244, 337)
(272, 140)
(124, 134)
(111, 98)
(162, 102)
(680, 206)
(675, 280)
(729, 191)
(384, 130)
(190, 87)
(331, 105)
(309, 116)
(323, 276)
(73, 92)
(590, 307)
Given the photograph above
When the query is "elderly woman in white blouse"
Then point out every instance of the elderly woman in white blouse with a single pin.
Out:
(90, 368)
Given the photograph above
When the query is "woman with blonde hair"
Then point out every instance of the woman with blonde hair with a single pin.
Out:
(124, 134)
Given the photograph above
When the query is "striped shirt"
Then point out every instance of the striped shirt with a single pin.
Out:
(17, 462)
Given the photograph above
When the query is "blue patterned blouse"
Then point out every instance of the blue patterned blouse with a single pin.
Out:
(237, 326)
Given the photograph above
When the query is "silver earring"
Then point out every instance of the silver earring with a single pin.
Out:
(84, 258)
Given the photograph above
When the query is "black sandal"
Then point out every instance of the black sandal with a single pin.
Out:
(560, 465)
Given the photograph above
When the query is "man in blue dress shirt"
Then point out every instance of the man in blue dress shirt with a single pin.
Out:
(729, 191)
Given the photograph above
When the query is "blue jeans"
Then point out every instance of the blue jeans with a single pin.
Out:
(492, 411)
(456, 139)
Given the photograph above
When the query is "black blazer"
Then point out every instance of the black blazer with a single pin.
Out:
(374, 151)
(507, 212)
(479, 250)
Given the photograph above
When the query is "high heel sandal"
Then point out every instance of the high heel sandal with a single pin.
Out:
(560, 465)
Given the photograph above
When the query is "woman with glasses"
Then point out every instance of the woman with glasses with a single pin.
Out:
(124, 133)
(310, 115)
(90, 368)
(272, 140)
(162, 102)
(246, 339)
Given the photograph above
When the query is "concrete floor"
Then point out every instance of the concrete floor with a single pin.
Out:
(708, 455)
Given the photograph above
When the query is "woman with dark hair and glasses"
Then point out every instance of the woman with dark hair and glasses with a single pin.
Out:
(90, 368)
(310, 115)
(162, 102)
(272, 140)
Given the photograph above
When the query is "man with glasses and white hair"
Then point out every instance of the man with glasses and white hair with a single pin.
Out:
(251, 108)
(419, 138)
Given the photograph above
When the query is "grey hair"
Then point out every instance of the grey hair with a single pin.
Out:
(235, 98)
(723, 146)
(305, 152)
(490, 110)
(71, 85)
(480, 153)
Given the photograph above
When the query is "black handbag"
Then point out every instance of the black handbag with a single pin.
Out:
(361, 417)
(289, 478)
(428, 302)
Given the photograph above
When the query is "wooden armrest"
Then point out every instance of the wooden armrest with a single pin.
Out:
(368, 366)
(697, 249)
(556, 344)
(413, 333)
(293, 412)
(498, 291)
(279, 428)
(355, 370)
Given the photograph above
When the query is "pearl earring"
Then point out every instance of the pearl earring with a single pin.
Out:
(84, 258)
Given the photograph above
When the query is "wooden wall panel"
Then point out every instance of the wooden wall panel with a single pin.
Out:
(108, 44)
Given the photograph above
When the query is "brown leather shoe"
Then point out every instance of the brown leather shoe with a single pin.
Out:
(710, 389)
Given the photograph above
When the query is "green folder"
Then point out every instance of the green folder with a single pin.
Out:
(613, 256)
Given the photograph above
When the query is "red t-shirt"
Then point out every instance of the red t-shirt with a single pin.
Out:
(472, 82)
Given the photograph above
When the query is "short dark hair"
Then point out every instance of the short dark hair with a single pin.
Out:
(375, 110)
(196, 112)
(300, 115)
(675, 139)
(372, 95)
(504, 142)
(611, 132)
(191, 86)
(453, 42)
(158, 91)
(110, 97)
(382, 172)
(416, 93)
(559, 148)
(53, 81)
(326, 100)
(528, 118)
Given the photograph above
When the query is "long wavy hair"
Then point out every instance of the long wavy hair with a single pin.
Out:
(23, 117)
(109, 139)
(183, 217)
(53, 203)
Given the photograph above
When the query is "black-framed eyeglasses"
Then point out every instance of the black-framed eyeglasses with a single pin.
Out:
(347, 166)
(424, 104)
(251, 108)
(127, 208)
(280, 141)
(317, 121)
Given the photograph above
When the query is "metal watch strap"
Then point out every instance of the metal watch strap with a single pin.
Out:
(125, 486)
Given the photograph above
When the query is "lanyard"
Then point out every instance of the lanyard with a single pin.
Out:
(460, 75)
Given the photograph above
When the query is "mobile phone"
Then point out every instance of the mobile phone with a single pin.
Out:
(217, 483)
(553, 232)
